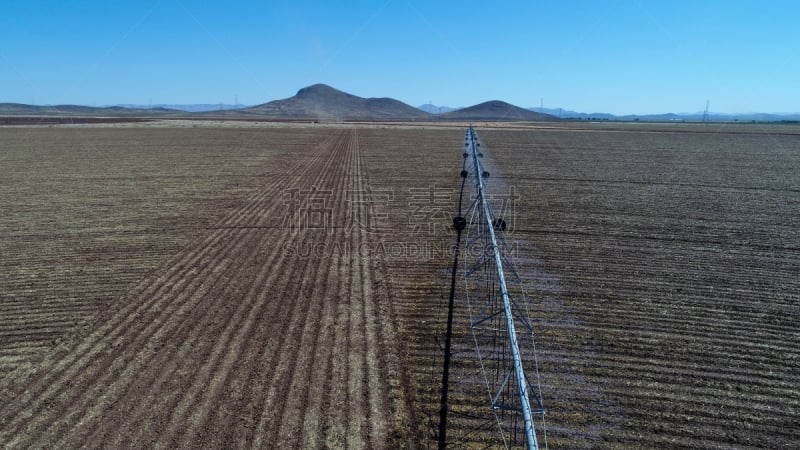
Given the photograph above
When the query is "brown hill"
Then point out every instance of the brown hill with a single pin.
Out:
(323, 102)
(495, 110)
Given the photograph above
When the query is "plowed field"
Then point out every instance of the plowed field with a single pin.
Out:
(286, 287)
(238, 338)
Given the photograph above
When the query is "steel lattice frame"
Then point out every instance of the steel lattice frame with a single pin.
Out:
(494, 326)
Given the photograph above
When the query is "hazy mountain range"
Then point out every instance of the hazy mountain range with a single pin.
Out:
(322, 102)
(19, 109)
(316, 102)
(433, 109)
(197, 107)
(666, 117)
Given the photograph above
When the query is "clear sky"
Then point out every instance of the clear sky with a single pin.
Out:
(638, 56)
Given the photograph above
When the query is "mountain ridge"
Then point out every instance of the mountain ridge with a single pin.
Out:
(315, 102)
(323, 102)
(22, 109)
(496, 110)
(671, 117)
(320, 101)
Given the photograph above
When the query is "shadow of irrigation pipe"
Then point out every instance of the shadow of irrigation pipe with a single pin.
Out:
(459, 223)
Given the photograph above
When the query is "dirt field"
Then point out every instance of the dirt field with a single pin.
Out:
(230, 335)
(675, 298)
(285, 287)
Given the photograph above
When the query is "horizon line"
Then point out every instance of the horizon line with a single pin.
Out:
(547, 110)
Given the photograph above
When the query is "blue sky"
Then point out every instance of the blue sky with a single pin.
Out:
(591, 56)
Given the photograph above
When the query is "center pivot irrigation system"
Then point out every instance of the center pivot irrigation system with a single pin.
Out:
(502, 334)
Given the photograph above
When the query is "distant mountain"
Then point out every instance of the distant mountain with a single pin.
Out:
(18, 109)
(496, 110)
(567, 114)
(323, 102)
(194, 107)
(671, 117)
(433, 109)
(719, 117)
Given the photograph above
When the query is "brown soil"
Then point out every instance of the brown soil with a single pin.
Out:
(287, 287)
(239, 338)
(47, 120)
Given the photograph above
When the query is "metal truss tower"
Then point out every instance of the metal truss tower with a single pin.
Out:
(502, 334)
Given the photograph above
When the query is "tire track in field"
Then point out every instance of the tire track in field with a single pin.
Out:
(343, 400)
(194, 342)
(76, 244)
(316, 407)
(178, 264)
(271, 426)
(186, 270)
(221, 374)
(155, 284)
(57, 381)
(295, 405)
(375, 373)
(235, 341)
(112, 386)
